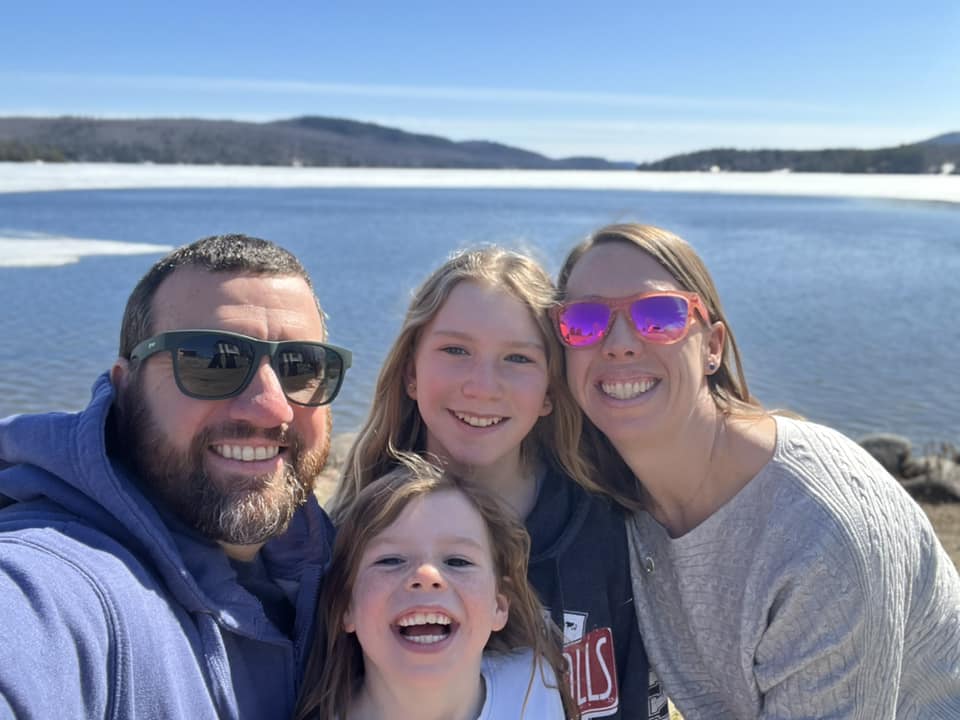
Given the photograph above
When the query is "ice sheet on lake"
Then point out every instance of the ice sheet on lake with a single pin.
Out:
(36, 177)
(25, 249)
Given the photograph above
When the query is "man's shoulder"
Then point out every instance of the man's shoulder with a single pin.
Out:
(87, 623)
(42, 547)
(56, 589)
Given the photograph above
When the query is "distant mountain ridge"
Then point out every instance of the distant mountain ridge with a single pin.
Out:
(938, 155)
(946, 139)
(307, 141)
(338, 142)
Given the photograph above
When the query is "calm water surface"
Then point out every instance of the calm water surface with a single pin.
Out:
(847, 311)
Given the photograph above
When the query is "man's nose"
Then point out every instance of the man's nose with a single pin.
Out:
(263, 403)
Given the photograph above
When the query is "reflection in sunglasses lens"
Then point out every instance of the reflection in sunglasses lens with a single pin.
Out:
(657, 318)
(663, 317)
(217, 366)
(308, 374)
(584, 323)
(211, 366)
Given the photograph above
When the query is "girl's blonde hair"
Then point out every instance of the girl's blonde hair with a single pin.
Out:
(335, 670)
(727, 386)
(394, 425)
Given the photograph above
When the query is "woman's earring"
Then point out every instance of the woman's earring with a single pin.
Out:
(712, 365)
(412, 386)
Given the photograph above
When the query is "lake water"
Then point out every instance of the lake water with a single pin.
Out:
(847, 310)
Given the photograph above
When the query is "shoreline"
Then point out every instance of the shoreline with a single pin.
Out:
(943, 512)
(53, 177)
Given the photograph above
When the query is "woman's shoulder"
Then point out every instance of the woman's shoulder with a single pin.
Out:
(821, 484)
(819, 491)
(831, 463)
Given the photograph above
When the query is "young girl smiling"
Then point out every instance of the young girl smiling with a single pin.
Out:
(475, 380)
(427, 609)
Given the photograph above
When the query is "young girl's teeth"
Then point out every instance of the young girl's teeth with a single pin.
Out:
(627, 390)
(426, 639)
(246, 453)
(431, 618)
(480, 422)
(419, 619)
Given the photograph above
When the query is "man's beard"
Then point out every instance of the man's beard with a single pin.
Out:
(238, 509)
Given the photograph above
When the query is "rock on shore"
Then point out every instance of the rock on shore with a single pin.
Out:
(935, 476)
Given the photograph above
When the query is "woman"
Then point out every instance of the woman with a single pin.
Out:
(778, 570)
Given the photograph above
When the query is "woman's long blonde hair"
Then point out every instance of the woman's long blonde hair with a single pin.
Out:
(727, 386)
(335, 670)
(394, 425)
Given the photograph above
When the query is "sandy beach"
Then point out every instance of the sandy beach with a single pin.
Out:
(39, 177)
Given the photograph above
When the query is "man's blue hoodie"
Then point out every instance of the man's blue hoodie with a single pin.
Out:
(108, 611)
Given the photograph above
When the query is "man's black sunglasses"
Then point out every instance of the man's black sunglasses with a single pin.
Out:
(215, 364)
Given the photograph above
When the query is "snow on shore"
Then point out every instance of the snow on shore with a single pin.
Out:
(37, 177)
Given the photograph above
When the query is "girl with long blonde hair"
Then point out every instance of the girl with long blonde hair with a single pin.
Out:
(474, 380)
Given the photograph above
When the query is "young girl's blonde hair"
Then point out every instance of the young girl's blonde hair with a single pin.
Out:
(394, 425)
(335, 670)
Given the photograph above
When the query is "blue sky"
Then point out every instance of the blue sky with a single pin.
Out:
(624, 80)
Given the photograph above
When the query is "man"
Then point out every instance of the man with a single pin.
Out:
(161, 551)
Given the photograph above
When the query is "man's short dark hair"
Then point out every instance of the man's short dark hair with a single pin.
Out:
(217, 253)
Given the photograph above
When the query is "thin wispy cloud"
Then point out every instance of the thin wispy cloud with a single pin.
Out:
(416, 92)
(618, 126)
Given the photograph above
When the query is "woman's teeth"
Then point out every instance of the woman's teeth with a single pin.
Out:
(247, 453)
(480, 422)
(627, 390)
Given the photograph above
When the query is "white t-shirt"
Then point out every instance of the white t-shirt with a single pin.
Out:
(507, 676)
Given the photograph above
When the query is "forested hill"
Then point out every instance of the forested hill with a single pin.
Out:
(307, 141)
(937, 155)
(324, 141)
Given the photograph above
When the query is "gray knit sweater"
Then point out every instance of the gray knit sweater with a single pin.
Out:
(819, 591)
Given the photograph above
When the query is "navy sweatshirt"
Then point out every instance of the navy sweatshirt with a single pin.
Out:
(580, 567)
(109, 611)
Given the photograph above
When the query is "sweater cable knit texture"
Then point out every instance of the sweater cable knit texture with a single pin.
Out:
(819, 591)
